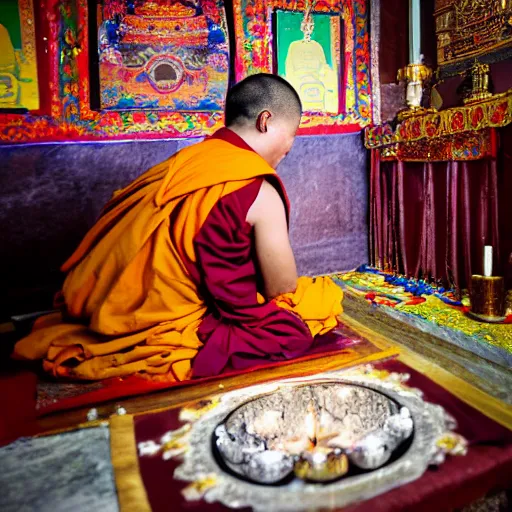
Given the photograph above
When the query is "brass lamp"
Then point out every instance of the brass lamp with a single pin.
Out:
(416, 75)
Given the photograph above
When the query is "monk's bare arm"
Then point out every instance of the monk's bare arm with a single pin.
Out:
(275, 256)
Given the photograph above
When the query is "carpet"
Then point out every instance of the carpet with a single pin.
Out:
(98, 468)
(454, 484)
(432, 309)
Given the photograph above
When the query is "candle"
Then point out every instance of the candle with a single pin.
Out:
(488, 260)
(311, 423)
(414, 32)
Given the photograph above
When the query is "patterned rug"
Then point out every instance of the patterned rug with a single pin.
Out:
(452, 485)
(97, 468)
(59, 473)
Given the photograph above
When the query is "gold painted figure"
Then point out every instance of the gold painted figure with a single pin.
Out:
(306, 68)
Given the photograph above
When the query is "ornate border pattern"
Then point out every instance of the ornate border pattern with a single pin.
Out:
(460, 146)
(375, 45)
(28, 30)
(492, 113)
(253, 36)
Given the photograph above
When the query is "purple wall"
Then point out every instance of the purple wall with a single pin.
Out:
(327, 182)
(51, 194)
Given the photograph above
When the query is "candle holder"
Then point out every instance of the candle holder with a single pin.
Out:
(487, 296)
(416, 76)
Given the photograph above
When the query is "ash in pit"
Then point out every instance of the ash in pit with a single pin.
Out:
(263, 440)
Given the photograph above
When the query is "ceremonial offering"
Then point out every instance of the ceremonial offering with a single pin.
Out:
(313, 432)
(336, 438)
(416, 76)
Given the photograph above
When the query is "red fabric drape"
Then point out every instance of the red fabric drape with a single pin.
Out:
(505, 202)
(432, 220)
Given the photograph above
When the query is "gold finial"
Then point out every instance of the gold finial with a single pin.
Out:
(308, 25)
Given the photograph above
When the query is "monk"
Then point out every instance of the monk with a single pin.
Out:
(189, 269)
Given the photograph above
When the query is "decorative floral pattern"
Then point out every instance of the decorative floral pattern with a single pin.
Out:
(460, 146)
(494, 112)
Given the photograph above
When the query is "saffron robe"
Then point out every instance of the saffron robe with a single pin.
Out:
(166, 283)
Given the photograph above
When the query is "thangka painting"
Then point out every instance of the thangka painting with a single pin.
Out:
(18, 63)
(163, 54)
(322, 47)
(164, 66)
(309, 56)
(472, 29)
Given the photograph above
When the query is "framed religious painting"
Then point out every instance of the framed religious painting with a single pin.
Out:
(308, 55)
(167, 55)
(19, 87)
(322, 48)
(117, 69)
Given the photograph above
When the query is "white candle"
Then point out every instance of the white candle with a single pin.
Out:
(488, 260)
(414, 32)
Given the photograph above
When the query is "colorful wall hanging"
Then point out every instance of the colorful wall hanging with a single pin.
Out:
(466, 30)
(64, 54)
(163, 54)
(18, 64)
(259, 23)
(66, 61)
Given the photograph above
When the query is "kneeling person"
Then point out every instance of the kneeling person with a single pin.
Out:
(189, 269)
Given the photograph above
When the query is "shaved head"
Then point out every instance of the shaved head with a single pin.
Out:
(259, 93)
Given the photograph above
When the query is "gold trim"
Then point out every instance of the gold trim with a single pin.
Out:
(130, 488)
(495, 409)
(492, 112)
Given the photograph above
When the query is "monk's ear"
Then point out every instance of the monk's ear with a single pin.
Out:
(262, 121)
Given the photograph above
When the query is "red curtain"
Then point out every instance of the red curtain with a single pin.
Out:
(432, 220)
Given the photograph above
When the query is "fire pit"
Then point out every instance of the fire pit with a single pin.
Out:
(317, 442)
(317, 433)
